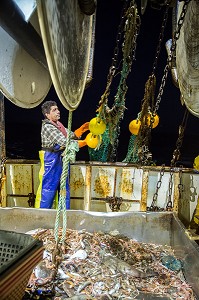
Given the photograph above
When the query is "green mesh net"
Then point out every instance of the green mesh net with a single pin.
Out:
(101, 153)
(113, 116)
(132, 153)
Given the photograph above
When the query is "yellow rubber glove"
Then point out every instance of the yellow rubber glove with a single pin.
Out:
(78, 132)
(82, 143)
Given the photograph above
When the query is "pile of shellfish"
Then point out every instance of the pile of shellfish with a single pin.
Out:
(105, 266)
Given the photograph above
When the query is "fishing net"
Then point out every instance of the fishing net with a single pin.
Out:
(112, 116)
(138, 148)
(101, 154)
(132, 152)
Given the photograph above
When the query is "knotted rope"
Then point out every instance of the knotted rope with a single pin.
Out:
(65, 174)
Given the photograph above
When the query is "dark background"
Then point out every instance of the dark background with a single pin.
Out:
(23, 125)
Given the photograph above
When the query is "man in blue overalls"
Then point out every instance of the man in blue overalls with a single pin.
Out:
(53, 140)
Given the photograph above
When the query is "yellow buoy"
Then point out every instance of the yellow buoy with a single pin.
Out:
(97, 126)
(93, 140)
(196, 163)
(134, 126)
(155, 120)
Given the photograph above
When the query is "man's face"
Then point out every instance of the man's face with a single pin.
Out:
(54, 114)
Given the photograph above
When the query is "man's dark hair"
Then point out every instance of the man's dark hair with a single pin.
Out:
(46, 106)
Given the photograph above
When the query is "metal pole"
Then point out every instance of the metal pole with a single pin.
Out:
(87, 189)
(145, 184)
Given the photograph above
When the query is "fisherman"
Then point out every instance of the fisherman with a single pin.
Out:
(53, 140)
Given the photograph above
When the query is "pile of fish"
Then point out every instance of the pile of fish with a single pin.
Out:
(105, 266)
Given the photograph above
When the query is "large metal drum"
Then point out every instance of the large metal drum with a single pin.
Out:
(66, 34)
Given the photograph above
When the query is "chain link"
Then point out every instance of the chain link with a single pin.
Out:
(143, 140)
(114, 115)
(161, 36)
(114, 66)
(180, 185)
(154, 206)
(169, 205)
(171, 55)
(176, 152)
(114, 203)
(131, 31)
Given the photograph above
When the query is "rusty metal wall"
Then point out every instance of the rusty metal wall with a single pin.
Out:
(93, 184)
(21, 183)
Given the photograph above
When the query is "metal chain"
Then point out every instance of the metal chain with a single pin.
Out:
(113, 66)
(176, 152)
(169, 205)
(180, 185)
(171, 55)
(144, 155)
(116, 113)
(154, 206)
(131, 31)
(161, 36)
(114, 203)
(132, 25)
(143, 138)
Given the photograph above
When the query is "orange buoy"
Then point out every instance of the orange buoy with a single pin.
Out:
(155, 120)
(134, 126)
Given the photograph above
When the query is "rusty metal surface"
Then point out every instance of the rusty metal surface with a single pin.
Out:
(176, 192)
(87, 189)
(102, 181)
(189, 198)
(129, 183)
(131, 165)
(77, 180)
(91, 184)
(20, 178)
(145, 182)
(21, 181)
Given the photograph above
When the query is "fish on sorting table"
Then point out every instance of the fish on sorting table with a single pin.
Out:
(44, 269)
(117, 265)
(79, 297)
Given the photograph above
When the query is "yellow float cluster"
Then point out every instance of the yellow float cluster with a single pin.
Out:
(134, 125)
(97, 127)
